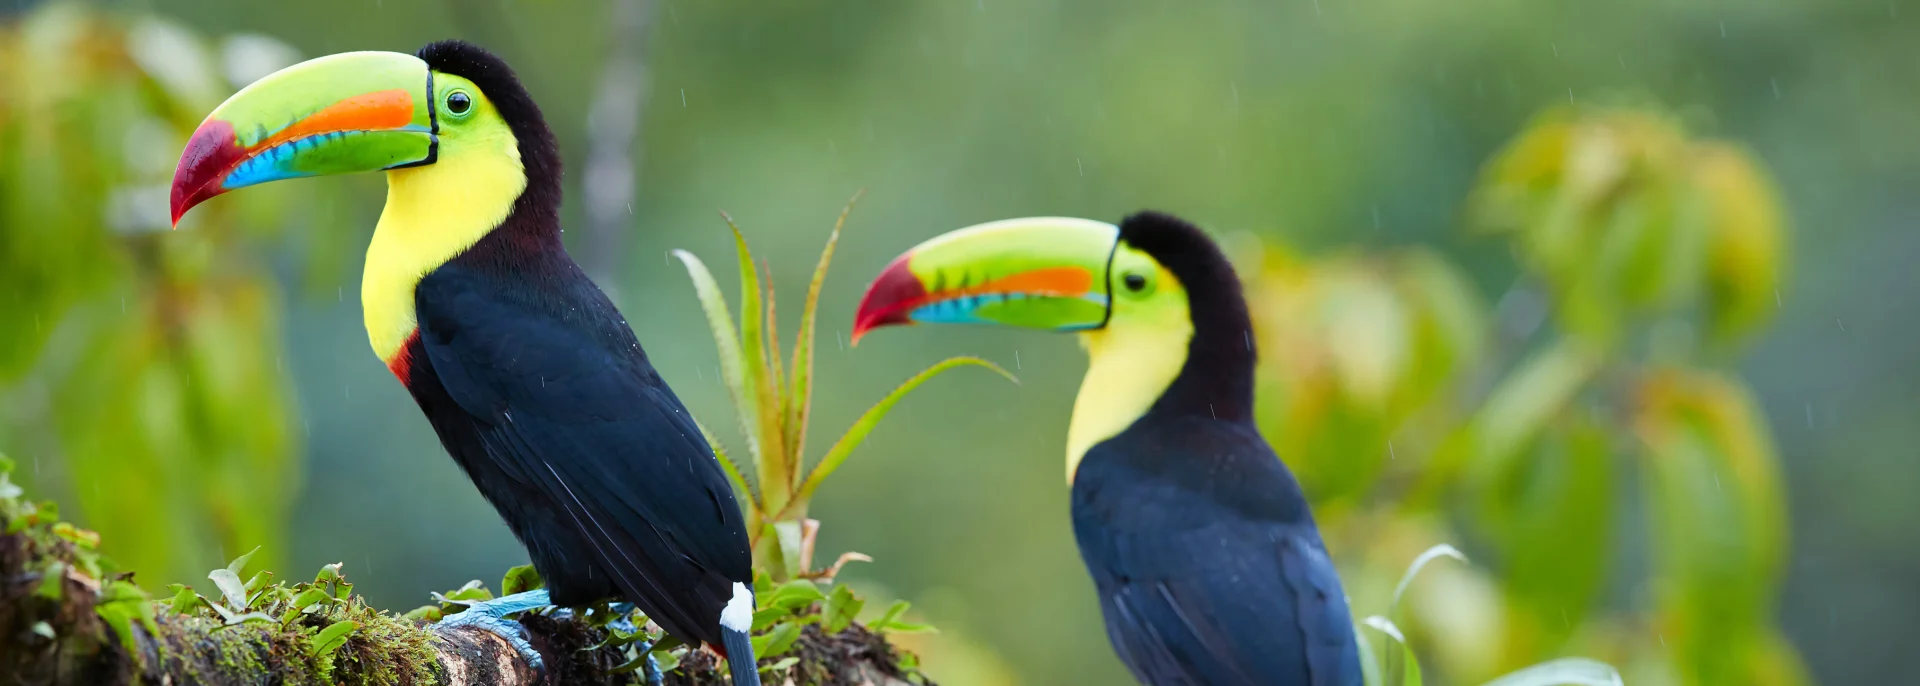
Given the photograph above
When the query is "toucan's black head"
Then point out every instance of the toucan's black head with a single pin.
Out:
(493, 77)
(1215, 302)
(1218, 370)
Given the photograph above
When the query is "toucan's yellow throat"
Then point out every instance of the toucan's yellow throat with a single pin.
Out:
(1132, 360)
(433, 213)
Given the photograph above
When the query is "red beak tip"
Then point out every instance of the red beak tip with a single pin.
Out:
(211, 152)
(862, 324)
(889, 299)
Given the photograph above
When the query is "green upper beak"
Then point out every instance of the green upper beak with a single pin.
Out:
(351, 112)
(1038, 272)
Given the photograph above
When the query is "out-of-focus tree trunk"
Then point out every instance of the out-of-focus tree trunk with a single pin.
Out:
(613, 160)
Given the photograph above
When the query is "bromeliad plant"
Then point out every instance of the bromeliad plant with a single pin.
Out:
(773, 399)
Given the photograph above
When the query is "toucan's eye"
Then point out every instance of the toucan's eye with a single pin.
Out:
(1135, 282)
(458, 102)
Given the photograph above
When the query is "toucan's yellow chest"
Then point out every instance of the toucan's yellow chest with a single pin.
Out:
(433, 213)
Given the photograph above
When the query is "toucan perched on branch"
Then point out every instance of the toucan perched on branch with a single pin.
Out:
(1209, 567)
(534, 382)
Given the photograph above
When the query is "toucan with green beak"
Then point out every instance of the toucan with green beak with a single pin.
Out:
(1207, 561)
(534, 382)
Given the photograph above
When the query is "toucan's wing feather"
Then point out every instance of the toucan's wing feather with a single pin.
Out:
(1326, 624)
(571, 408)
(1202, 610)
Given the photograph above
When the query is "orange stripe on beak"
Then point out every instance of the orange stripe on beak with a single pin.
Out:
(1053, 281)
(376, 111)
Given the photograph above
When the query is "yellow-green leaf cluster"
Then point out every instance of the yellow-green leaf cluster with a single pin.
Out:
(1351, 348)
(1713, 480)
(1622, 214)
(1522, 429)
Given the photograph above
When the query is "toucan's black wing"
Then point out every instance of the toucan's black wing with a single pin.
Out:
(1233, 619)
(1201, 581)
(566, 407)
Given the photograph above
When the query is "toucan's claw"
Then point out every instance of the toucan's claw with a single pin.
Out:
(490, 616)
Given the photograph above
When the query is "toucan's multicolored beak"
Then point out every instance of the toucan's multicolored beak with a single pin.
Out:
(1039, 272)
(351, 112)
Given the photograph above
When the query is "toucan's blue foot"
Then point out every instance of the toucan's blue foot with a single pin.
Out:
(491, 616)
(652, 670)
(622, 617)
(623, 621)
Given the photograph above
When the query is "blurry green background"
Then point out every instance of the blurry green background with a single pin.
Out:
(1622, 319)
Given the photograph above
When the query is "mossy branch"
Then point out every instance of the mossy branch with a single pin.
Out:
(67, 617)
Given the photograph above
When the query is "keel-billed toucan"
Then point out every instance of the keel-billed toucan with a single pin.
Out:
(533, 380)
(1207, 561)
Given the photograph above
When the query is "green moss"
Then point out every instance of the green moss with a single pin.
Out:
(387, 650)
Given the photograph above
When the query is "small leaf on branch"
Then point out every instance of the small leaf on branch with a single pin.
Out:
(331, 638)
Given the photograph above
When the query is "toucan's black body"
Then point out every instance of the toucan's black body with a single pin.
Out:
(1208, 564)
(540, 391)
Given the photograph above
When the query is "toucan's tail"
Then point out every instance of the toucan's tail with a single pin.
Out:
(740, 662)
(736, 621)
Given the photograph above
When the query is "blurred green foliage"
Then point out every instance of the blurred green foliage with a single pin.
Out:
(1414, 410)
(146, 364)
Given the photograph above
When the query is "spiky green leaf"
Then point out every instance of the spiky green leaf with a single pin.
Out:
(864, 425)
(776, 371)
(726, 464)
(800, 391)
(753, 356)
(727, 339)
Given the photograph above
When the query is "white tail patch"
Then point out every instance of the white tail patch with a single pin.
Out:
(738, 614)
